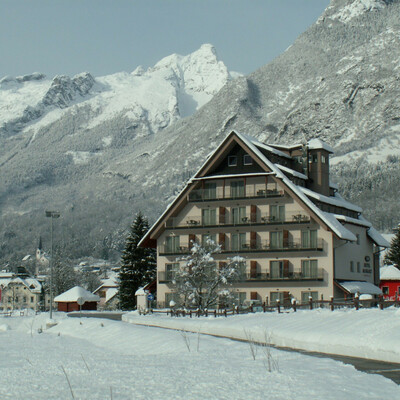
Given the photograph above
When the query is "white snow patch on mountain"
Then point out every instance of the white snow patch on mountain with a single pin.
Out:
(356, 8)
(81, 157)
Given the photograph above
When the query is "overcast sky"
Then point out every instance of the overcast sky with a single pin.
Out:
(108, 36)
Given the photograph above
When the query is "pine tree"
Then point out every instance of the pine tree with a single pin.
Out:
(138, 264)
(393, 255)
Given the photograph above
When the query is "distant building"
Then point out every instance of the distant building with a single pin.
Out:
(69, 300)
(108, 293)
(390, 282)
(20, 292)
(275, 206)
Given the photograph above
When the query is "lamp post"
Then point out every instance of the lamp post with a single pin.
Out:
(52, 215)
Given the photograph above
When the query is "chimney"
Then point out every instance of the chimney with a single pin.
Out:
(318, 166)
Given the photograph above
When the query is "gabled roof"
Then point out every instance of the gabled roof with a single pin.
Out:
(390, 273)
(72, 295)
(254, 148)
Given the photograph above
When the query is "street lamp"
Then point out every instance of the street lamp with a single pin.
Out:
(52, 215)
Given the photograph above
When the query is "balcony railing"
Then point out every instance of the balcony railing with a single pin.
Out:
(294, 217)
(318, 275)
(290, 276)
(254, 247)
(243, 193)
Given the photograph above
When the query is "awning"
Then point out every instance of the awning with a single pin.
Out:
(360, 287)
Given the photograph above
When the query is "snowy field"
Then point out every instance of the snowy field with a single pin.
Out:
(106, 359)
(366, 333)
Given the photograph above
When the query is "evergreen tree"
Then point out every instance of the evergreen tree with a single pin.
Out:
(138, 264)
(393, 255)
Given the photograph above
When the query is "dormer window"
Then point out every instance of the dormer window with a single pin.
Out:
(323, 159)
(247, 160)
(232, 161)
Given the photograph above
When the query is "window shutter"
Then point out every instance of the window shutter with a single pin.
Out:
(286, 298)
(192, 239)
(222, 213)
(253, 295)
(286, 268)
(253, 269)
(285, 238)
(253, 240)
(221, 240)
(253, 213)
(222, 264)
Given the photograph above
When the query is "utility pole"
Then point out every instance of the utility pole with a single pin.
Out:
(52, 215)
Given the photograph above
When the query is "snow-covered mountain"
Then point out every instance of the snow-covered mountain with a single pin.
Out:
(174, 88)
(101, 158)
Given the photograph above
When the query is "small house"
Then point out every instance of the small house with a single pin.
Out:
(390, 282)
(69, 300)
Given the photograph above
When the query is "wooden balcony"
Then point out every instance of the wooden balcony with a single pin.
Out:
(201, 195)
(253, 247)
(195, 222)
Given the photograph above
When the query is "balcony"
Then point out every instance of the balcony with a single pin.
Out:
(168, 276)
(295, 217)
(200, 195)
(291, 276)
(253, 247)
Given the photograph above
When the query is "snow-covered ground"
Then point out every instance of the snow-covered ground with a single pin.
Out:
(366, 333)
(111, 359)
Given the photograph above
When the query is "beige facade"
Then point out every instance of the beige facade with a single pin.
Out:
(20, 294)
(256, 201)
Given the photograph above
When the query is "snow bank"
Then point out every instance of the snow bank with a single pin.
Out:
(372, 333)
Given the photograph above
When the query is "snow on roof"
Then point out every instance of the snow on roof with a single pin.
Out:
(110, 293)
(340, 230)
(269, 148)
(390, 273)
(292, 172)
(355, 221)
(336, 200)
(377, 237)
(361, 287)
(315, 144)
(73, 294)
(141, 292)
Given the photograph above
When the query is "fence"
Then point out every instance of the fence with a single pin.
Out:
(355, 303)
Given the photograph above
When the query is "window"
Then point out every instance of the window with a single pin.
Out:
(24, 299)
(309, 269)
(323, 159)
(172, 244)
(238, 241)
(209, 216)
(305, 296)
(210, 190)
(358, 238)
(171, 297)
(237, 189)
(239, 297)
(276, 240)
(9, 299)
(277, 213)
(314, 158)
(358, 266)
(238, 215)
(385, 290)
(247, 160)
(170, 270)
(206, 237)
(309, 239)
(351, 266)
(274, 296)
(232, 161)
(276, 269)
(16, 299)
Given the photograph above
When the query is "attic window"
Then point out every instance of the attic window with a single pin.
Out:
(323, 159)
(232, 161)
(314, 158)
(247, 160)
